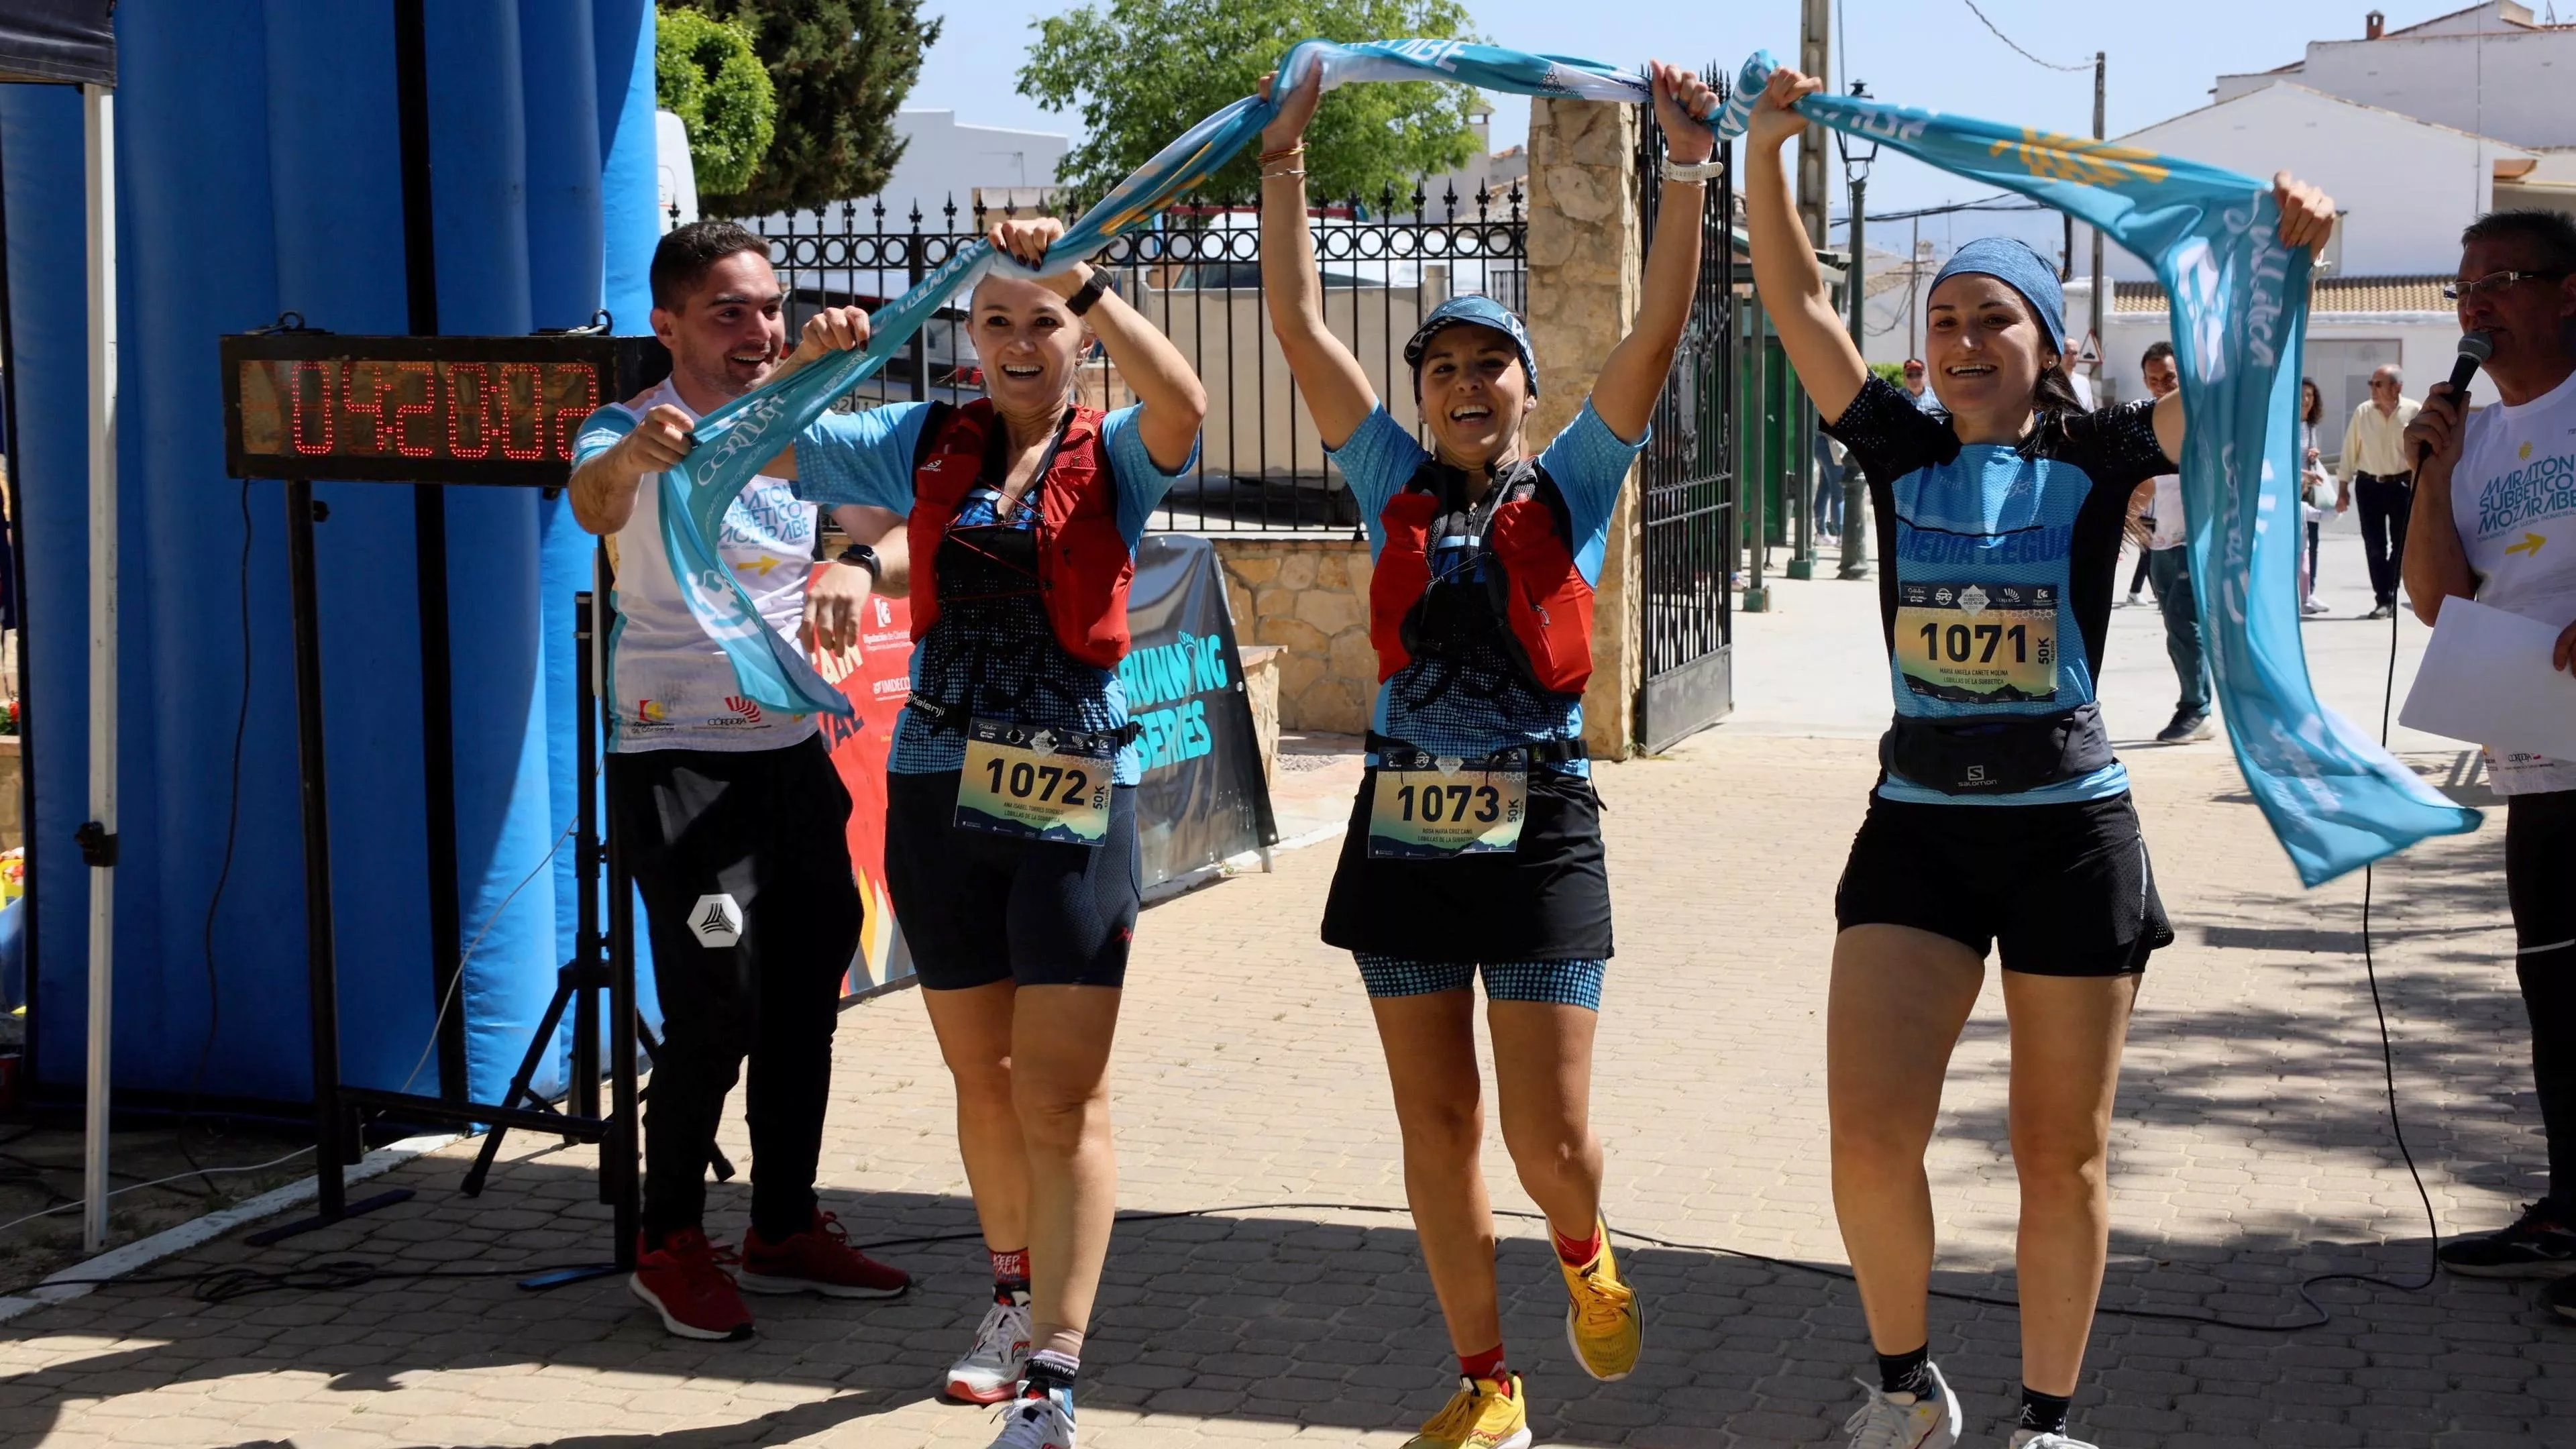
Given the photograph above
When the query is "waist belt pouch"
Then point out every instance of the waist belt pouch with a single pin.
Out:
(1996, 755)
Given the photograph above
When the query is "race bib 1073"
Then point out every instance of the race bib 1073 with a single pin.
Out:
(1978, 643)
(1033, 783)
(1437, 813)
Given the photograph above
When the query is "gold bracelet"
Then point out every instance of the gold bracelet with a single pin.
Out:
(1282, 175)
(1283, 153)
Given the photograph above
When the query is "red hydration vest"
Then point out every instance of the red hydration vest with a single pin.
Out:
(1514, 577)
(1084, 563)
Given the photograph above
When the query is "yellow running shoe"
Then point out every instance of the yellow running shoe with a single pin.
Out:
(1603, 1322)
(1483, 1414)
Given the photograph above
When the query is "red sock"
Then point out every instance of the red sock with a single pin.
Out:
(1011, 1269)
(1487, 1365)
(1577, 1251)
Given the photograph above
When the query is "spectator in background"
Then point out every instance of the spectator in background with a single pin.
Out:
(2157, 525)
(1829, 486)
(2313, 479)
(1915, 389)
(2375, 472)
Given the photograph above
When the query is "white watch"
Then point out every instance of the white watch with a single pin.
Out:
(1714, 166)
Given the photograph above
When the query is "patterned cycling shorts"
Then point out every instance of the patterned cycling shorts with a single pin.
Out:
(1563, 983)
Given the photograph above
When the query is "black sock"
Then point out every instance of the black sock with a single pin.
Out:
(1906, 1373)
(2044, 1412)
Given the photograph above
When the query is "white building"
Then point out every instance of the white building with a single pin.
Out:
(944, 159)
(2492, 70)
(2415, 133)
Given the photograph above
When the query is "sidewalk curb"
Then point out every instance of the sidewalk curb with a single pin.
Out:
(1249, 861)
(78, 1279)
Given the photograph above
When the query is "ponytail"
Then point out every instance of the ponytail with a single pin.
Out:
(2055, 392)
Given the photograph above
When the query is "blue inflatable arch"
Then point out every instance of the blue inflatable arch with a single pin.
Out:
(258, 173)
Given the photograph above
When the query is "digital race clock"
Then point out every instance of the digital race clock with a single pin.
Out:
(495, 410)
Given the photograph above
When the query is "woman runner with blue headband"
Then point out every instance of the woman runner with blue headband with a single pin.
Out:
(2000, 817)
(1476, 839)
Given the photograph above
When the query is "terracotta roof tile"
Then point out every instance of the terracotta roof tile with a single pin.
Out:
(2326, 297)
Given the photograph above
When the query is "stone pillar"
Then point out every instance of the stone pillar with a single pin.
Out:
(1586, 248)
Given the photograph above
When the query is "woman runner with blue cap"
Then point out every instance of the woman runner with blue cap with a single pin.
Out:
(2000, 817)
(1476, 839)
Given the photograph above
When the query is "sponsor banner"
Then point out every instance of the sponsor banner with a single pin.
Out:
(875, 678)
(1203, 797)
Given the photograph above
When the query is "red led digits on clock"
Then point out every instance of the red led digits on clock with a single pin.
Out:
(569, 416)
(321, 405)
(460, 407)
(403, 411)
(365, 397)
(536, 416)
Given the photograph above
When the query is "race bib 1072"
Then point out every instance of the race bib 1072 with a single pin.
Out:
(1978, 643)
(1031, 782)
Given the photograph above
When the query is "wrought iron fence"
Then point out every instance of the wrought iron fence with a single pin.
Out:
(1689, 481)
(1385, 262)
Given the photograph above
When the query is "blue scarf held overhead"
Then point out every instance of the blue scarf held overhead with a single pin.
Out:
(2239, 301)
(735, 440)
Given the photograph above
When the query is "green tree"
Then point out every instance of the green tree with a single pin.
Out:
(705, 72)
(841, 68)
(1140, 71)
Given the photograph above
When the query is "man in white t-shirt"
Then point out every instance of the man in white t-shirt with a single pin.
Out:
(2155, 511)
(2495, 520)
(733, 817)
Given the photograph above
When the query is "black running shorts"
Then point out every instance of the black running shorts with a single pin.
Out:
(2064, 890)
(976, 908)
(2540, 875)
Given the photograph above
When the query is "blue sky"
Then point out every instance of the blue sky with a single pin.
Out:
(2164, 56)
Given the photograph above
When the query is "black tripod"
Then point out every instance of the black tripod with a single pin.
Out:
(580, 980)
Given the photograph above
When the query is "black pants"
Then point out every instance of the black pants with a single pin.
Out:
(2386, 503)
(2539, 866)
(744, 863)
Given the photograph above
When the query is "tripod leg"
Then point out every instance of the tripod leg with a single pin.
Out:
(538, 1047)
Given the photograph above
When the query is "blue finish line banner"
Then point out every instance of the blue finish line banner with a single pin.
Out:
(735, 440)
(2336, 800)
(2239, 301)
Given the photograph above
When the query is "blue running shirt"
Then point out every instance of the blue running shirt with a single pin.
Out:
(1476, 707)
(2004, 562)
(999, 657)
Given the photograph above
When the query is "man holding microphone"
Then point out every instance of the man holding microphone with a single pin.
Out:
(2495, 520)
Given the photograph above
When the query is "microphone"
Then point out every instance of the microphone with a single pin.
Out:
(2475, 348)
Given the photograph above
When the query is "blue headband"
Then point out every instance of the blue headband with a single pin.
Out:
(2015, 265)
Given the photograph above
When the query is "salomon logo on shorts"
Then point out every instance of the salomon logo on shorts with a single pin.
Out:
(716, 920)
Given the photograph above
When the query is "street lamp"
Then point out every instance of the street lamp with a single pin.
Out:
(1858, 156)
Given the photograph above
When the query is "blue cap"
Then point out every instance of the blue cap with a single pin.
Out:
(1483, 312)
(2025, 271)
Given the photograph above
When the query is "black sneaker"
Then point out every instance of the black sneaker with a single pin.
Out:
(2560, 1298)
(2540, 1244)
(2188, 726)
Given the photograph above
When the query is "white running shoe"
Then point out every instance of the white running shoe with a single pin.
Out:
(1907, 1421)
(2034, 1439)
(990, 1371)
(1038, 1421)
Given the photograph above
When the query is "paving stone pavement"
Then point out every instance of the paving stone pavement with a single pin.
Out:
(2251, 1150)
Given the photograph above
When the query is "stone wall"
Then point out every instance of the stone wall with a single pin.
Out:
(1585, 265)
(1307, 594)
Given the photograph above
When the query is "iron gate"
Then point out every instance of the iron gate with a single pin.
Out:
(1687, 477)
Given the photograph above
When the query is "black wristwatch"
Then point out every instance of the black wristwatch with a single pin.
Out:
(1091, 291)
(859, 555)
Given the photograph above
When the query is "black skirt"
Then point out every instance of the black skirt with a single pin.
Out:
(1547, 901)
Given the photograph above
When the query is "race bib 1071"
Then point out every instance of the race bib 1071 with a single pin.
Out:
(1978, 643)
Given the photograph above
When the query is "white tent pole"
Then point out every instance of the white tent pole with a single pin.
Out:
(98, 137)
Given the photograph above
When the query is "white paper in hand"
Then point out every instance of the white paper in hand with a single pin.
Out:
(2486, 679)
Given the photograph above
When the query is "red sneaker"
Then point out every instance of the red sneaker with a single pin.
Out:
(817, 1260)
(685, 1281)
